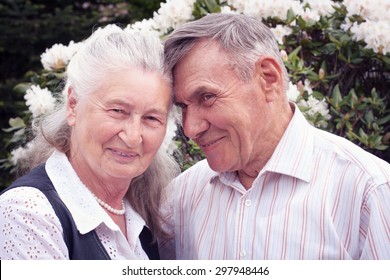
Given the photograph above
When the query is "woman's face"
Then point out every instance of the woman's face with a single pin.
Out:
(117, 130)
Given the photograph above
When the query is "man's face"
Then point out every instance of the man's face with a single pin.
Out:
(221, 112)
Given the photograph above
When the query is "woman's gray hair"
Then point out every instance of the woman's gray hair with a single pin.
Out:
(243, 38)
(110, 49)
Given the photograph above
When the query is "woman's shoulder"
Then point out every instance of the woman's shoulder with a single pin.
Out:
(29, 226)
(25, 199)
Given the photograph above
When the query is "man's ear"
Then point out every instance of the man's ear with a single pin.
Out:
(270, 74)
(71, 107)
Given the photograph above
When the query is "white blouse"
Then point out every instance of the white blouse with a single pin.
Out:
(30, 229)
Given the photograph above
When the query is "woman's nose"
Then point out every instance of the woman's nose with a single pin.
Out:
(131, 132)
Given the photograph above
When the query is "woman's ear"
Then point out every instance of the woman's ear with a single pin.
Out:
(270, 74)
(71, 107)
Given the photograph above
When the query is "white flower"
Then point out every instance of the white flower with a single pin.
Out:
(168, 145)
(144, 26)
(39, 101)
(227, 10)
(374, 34)
(374, 10)
(239, 5)
(316, 106)
(310, 15)
(374, 30)
(58, 56)
(280, 31)
(292, 93)
(172, 14)
(265, 8)
(346, 25)
(19, 154)
(307, 86)
(284, 55)
(321, 7)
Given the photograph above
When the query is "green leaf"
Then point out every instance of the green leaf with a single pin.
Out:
(363, 135)
(336, 96)
(22, 87)
(381, 147)
(386, 59)
(318, 95)
(290, 16)
(383, 120)
(329, 48)
(369, 117)
(294, 54)
(356, 60)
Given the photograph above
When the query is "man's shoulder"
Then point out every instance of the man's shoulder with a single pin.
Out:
(346, 151)
(200, 171)
(202, 167)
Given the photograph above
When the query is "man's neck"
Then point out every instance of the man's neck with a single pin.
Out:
(249, 173)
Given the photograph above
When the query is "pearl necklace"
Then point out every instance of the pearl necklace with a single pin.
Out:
(109, 208)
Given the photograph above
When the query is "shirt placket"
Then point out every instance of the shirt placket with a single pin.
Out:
(244, 208)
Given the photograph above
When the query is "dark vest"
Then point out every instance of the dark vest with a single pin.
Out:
(80, 246)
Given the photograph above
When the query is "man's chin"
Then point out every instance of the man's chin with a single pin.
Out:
(218, 165)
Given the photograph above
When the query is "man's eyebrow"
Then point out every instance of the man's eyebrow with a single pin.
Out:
(193, 95)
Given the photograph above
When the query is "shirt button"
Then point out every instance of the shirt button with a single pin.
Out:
(248, 202)
(243, 254)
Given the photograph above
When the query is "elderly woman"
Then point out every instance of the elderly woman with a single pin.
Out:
(99, 167)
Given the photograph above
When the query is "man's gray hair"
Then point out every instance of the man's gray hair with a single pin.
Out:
(243, 38)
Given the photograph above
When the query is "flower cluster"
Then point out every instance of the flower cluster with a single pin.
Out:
(58, 56)
(39, 101)
(173, 13)
(296, 24)
(371, 24)
(265, 9)
(312, 107)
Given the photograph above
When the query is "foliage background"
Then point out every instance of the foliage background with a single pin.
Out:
(340, 84)
(28, 27)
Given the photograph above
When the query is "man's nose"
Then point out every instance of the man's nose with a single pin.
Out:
(194, 123)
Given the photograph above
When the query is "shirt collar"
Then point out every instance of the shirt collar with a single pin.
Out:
(86, 212)
(292, 156)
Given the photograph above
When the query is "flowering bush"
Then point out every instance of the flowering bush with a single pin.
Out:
(337, 54)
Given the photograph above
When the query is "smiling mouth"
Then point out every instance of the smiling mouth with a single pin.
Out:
(124, 154)
(209, 144)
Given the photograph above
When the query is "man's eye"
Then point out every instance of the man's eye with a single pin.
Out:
(208, 98)
(182, 107)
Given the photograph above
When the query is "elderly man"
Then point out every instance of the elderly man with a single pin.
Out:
(272, 186)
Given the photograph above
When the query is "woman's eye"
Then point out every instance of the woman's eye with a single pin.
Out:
(119, 111)
(153, 121)
(152, 118)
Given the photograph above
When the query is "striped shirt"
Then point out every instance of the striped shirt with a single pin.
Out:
(318, 197)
